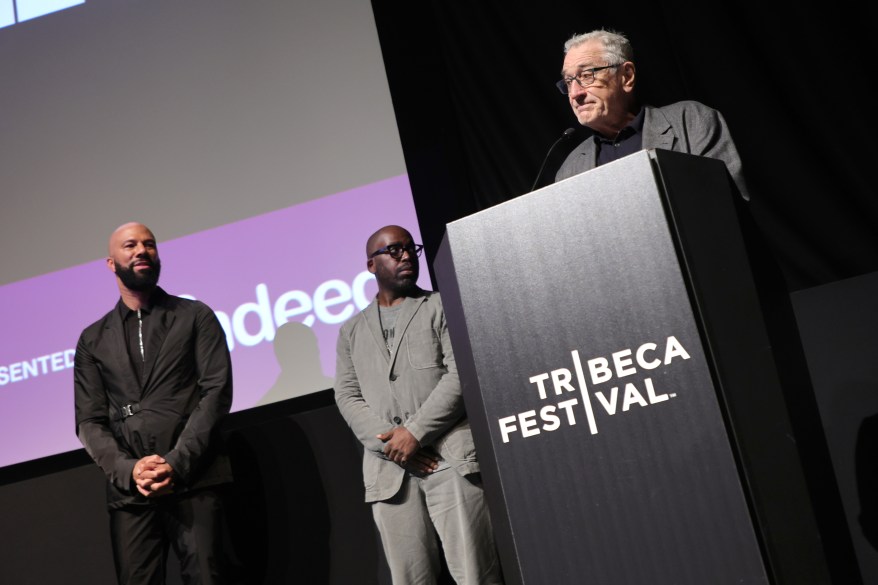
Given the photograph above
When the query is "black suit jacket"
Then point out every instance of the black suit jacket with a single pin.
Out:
(185, 391)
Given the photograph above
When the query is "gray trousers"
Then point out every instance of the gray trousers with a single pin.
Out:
(443, 503)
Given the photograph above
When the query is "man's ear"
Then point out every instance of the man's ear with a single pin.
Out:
(111, 265)
(629, 75)
(370, 264)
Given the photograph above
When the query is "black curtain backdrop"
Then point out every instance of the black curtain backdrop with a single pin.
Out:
(472, 86)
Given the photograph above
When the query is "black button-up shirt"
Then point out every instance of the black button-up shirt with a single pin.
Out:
(628, 141)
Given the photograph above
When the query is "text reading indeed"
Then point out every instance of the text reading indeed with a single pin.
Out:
(249, 324)
(332, 303)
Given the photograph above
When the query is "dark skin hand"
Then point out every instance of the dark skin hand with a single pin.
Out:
(403, 448)
(153, 476)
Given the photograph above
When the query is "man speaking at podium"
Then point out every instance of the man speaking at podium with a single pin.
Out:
(598, 78)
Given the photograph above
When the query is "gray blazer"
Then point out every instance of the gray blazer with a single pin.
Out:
(416, 387)
(685, 126)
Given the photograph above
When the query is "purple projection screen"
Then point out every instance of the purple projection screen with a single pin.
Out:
(281, 283)
(256, 139)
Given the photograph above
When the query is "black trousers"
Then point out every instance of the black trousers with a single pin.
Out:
(192, 523)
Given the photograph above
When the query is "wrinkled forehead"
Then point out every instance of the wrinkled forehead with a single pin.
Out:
(588, 54)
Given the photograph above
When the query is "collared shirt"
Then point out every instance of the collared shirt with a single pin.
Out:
(628, 141)
(135, 333)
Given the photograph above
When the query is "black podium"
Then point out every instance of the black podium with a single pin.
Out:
(620, 384)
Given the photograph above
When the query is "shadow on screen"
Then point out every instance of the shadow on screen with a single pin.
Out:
(298, 355)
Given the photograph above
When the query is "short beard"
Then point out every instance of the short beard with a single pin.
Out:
(139, 281)
(404, 287)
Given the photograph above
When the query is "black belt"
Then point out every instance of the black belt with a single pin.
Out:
(130, 410)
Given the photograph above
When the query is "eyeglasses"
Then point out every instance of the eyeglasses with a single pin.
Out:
(396, 250)
(583, 78)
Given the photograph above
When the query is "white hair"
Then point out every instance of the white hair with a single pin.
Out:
(617, 47)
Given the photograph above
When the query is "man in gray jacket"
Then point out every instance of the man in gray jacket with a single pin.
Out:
(598, 78)
(397, 387)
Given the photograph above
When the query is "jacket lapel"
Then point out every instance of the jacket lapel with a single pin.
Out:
(407, 312)
(374, 323)
(657, 131)
(588, 156)
(162, 319)
(115, 334)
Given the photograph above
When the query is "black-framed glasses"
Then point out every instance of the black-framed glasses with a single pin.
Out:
(396, 250)
(584, 78)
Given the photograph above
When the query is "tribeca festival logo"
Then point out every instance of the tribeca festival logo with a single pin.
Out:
(13, 11)
(557, 386)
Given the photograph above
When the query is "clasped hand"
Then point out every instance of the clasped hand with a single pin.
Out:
(153, 476)
(401, 447)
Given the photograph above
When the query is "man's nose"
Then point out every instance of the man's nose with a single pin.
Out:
(575, 90)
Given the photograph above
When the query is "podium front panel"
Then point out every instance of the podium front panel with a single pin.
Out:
(586, 380)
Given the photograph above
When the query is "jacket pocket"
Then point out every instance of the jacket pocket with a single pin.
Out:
(457, 444)
(424, 349)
